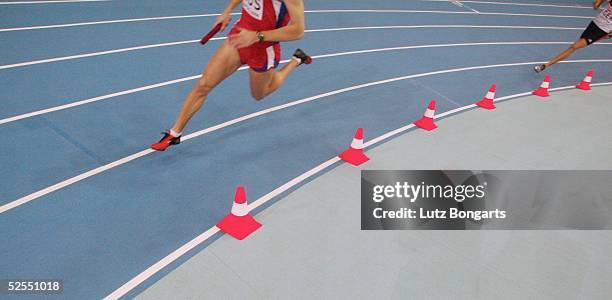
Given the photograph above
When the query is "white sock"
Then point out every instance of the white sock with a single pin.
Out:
(175, 134)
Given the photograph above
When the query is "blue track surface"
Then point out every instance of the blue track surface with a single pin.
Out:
(98, 233)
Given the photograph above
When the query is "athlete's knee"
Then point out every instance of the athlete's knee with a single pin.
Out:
(581, 43)
(575, 47)
(258, 94)
(203, 86)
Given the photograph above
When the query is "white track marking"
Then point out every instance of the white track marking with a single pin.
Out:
(467, 107)
(158, 266)
(308, 11)
(96, 99)
(42, 61)
(107, 22)
(165, 83)
(445, 26)
(73, 180)
(516, 4)
(470, 8)
(49, 60)
(134, 282)
(528, 4)
(464, 6)
(50, 1)
(446, 12)
(441, 46)
(15, 203)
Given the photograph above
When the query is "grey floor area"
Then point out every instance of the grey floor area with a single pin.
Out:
(311, 245)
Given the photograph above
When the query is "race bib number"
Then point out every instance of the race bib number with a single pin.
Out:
(255, 8)
(607, 13)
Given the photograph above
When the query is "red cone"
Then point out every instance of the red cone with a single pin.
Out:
(239, 223)
(543, 90)
(427, 121)
(487, 101)
(585, 85)
(354, 154)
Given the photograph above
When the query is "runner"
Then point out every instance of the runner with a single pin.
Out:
(598, 29)
(254, 41)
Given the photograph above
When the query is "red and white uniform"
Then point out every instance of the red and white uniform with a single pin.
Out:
(262, 15)
(604, 19)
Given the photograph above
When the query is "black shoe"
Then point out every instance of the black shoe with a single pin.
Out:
(303, 57)
(166, 141)
(539, 68)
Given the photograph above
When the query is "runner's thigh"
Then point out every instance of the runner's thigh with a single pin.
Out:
(221, 65)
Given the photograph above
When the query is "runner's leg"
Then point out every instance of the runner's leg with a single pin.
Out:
(579, 44)
(265, 83)
(221, 65)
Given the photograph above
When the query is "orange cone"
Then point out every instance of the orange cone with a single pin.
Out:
(487, 101)
(543, 90)
(239, 223)
(585, 85)
(354, 154)
(427, 121)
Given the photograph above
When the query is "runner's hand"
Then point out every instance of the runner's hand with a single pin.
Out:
(243, 38)
(597, 4)
(224, 19)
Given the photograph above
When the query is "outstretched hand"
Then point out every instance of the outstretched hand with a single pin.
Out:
(597, 4)
(243, 38)
(223, 19)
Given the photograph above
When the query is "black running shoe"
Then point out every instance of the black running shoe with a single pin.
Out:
(166, 141)
(539, 68)
(303, 57)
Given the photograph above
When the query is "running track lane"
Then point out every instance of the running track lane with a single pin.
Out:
(77, 134)
(139, 33)
(418, 85)
(139, 220)
(294, 183)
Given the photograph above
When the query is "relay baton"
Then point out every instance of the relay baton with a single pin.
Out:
(211, 34)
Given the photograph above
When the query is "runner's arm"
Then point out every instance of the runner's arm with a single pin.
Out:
(295, 29)
(226, 16)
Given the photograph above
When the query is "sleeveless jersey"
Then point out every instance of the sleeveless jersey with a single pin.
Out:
(604, 20)
(262, 15)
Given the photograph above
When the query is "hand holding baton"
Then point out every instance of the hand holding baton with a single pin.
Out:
(210, 34)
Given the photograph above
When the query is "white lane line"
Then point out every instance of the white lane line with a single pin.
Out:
(73, 180)
(95, 99)
(463, 108)
(128, 286)
(48, 60)
(165, 83)
(470, 8)
(158, 266)
(15, 203)
(62, 58)
(447, 26)
(464, 6)
(308, 11)
(443, 46)
(107, 22)
(50, 1)
(515, 4)
(448, 12)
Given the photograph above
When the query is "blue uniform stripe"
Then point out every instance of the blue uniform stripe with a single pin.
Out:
(281, 15)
